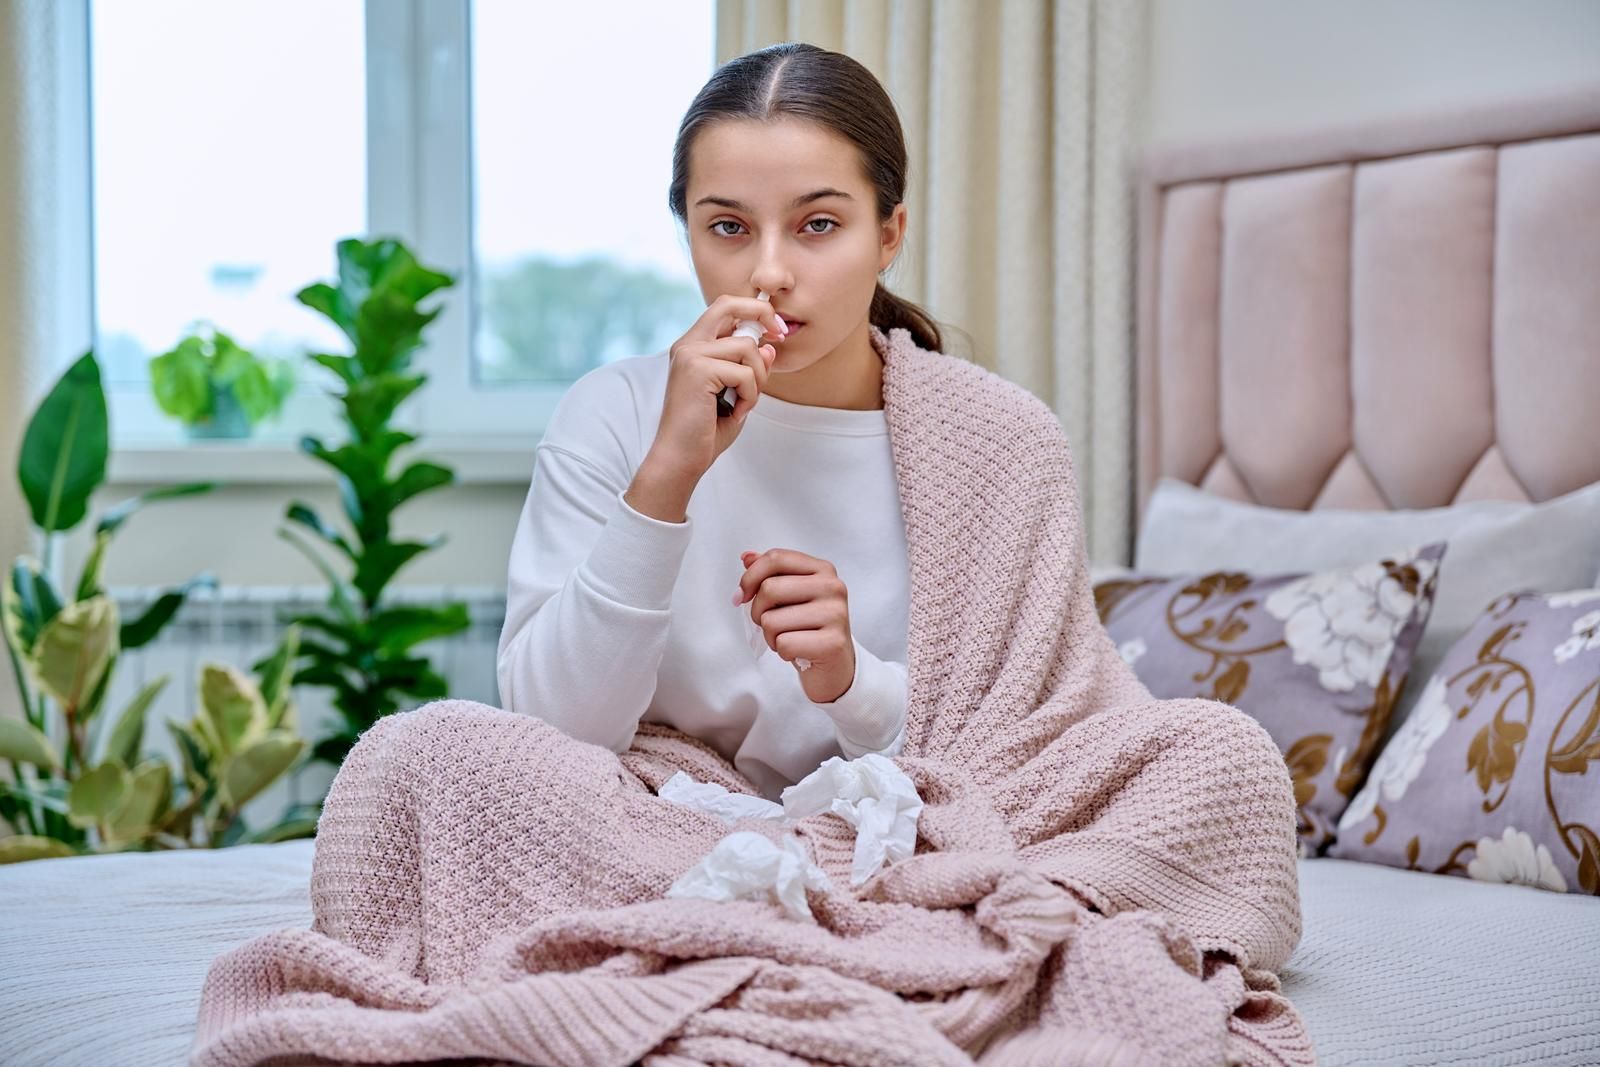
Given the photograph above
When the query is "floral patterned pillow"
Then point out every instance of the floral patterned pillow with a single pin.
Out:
(1489, 775)
(1317, 659)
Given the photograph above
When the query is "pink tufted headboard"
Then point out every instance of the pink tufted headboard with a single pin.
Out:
(1395, 315)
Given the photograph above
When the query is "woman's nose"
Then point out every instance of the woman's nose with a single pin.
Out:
(771, 275)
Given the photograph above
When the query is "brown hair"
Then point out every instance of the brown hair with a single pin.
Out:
(838, 93)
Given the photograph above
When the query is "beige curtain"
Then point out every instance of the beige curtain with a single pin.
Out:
(29, 236)
(1020, 118)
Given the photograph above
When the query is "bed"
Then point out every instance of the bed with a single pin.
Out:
(1267, 309)
(1399, 320)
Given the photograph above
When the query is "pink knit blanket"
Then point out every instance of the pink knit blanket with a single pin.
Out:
(1100, 877)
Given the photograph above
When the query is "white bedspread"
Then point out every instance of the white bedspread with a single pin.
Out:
(1407, 968)
(101, 959)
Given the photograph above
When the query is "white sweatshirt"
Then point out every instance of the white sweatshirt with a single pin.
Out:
(613, 616)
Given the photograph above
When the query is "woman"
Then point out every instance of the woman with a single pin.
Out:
(647, 509)
(1099, 877)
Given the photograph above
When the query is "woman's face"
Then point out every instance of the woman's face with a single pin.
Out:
(785, 207)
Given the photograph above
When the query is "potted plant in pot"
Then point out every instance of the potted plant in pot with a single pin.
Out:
(216, 387)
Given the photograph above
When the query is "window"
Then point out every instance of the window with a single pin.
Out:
(221, 177)
(577, 259)
(525, 148)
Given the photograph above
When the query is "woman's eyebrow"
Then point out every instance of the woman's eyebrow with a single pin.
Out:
(804, 198)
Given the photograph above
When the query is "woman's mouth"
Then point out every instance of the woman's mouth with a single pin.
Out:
(794, 327)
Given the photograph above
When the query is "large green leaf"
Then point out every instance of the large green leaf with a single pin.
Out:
(111, 520)
(89, 580)
(351, 634)
(331, 675)
(97, 697)
(18, 636)
(332, 303)
(20, 848)
(384, 283)
(127, 736)
(374, 301)
(277, 671)
(97, 794)
(411, 674)
(20, 742)
(74, 652)
(143, 630)
(361, 465)
(345, 367)
(65, 447)
(306, 516)
(46, 601)
(20, 608)
(233, 705)
(383, 560)
(149, 792)
(371, 402)
(194, 752)
(32, 601)
(338, 592)
(388, 330)
(259, 385)
(181, 381)
(397, 629)
(253, 768)
(419, 478)
(335, 748)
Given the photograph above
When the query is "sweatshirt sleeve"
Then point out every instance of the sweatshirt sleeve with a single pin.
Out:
(588, 575)
(871, 715)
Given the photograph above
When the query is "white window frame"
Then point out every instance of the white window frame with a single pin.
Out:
(420, 130)
(419, 188)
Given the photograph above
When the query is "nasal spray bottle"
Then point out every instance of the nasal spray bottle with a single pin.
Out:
(744, 328)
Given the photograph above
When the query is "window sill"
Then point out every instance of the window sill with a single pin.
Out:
(476, 461)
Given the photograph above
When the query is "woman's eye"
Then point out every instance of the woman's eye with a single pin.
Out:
(723, 222)
(829, 222)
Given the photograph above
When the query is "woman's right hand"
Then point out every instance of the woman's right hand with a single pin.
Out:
(706, 360)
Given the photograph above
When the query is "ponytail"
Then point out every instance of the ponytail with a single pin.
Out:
(889, 312)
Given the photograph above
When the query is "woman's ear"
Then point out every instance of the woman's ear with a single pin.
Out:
(892, 235)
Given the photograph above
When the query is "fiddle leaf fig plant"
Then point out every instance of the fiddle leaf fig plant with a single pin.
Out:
(79, 782)
(360, 646)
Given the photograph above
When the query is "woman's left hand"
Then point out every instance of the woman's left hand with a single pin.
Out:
(803, 608)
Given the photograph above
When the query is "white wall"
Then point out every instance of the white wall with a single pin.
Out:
(1238, 66)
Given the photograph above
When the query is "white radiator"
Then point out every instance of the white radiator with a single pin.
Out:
(240, 625)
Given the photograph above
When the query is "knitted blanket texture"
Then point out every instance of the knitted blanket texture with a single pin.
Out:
(1100, 877)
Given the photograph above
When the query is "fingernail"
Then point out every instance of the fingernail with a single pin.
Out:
(783, 324)
(738, 598)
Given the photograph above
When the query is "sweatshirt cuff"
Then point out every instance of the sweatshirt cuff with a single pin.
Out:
(871, 716)
(636, 559)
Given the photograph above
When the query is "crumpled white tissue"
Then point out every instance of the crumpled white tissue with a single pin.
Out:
(871, 794)
(747, 866)
(716, 800)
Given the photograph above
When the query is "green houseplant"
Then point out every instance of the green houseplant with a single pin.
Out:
(78, 782)
(360, 646)
(217, 388)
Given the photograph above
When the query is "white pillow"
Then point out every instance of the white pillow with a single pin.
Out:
(1494, 547)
